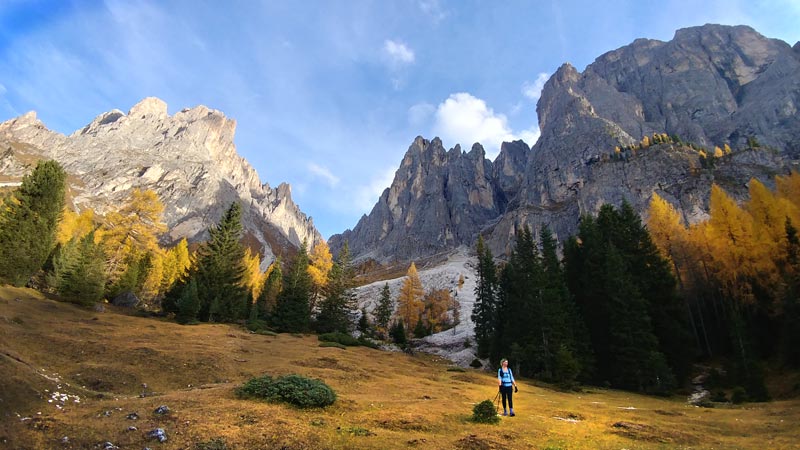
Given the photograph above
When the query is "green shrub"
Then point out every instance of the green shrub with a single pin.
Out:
(366, 342)
(485, 412)
(293, 389)
(342, 338)
(719, 396)
(333, 344)
(738, 395)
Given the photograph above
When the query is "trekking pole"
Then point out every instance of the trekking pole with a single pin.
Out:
(497, 402)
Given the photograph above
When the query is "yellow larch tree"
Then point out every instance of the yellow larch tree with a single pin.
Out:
(668, 232)
(176, 264)
(319, 265)
(733, 245)
(253, 278)
(74, 225)
(409, 302)
(132, 232)
(436, 305)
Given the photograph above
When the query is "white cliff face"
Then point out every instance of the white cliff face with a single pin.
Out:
(189, 159)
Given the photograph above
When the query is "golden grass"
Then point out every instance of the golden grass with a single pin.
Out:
(385, 400)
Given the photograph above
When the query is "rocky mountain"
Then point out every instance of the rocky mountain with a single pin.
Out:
(710, 86)
(188, 158)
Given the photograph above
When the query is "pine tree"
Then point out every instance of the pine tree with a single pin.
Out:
(292, 312)
(628, 301)
(483, 310)
(78, 271)
(220, 271)
(339, 301)
(272, 288)
(383, 312)
(188, 304)
(29, 222)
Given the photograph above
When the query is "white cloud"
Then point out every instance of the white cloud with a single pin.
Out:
(466, 119)
(534, 90)
(324, 173)
(2, 89)
(420, 113)
(398, 53)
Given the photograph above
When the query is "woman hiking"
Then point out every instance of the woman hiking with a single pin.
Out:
(505, 379)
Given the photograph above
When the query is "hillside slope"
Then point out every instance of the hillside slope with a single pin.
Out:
(71, 377)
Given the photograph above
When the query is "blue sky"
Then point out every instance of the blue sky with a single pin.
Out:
(328, 95)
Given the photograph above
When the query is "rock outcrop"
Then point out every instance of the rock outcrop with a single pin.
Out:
(437, 201)
(188, 159)
(711, 86)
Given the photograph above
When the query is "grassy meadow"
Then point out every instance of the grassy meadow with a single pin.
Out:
(71, 377)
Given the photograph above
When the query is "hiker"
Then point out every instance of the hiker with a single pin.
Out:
(505, 379)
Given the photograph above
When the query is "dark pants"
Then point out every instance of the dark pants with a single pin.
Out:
(508, 392)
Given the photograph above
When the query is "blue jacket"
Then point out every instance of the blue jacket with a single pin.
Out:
(507, 378)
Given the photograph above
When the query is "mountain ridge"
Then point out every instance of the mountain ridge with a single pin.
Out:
(710, 85)
(189, 159)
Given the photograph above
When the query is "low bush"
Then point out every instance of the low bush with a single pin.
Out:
(738, 395)
(485, 412)
(342, 338)
(293, 389)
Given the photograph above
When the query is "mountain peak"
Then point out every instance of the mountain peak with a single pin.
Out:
(149, 106)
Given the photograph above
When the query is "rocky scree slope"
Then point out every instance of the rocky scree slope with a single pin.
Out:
(188, 159)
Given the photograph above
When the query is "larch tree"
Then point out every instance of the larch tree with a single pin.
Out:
(409, 302)
(320, 262)
(129, 237)
(436, 305)
(29, 222)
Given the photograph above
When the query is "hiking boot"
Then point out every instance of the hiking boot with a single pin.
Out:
(512, 413)
(505, 413)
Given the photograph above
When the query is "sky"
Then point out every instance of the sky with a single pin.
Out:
(329, 94)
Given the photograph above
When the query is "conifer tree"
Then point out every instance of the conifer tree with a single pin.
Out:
(383, 312)
(220, 271)
(483, 310)
(409, 302)
(339, 301)
(129, 236)
(78, 270)
(272, 287)
(29, 222)
(292, 313)
(188, 304)
(628, 300)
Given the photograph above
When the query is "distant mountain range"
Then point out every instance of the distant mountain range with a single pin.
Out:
(189, 159)
(710, 86)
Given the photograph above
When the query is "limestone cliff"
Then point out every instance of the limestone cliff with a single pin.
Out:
(711, 85)
(188, 158)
